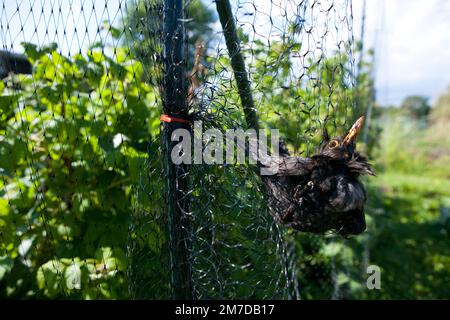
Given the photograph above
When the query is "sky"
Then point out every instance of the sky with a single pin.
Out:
(411, 38)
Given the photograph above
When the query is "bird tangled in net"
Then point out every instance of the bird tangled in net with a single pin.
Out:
(323, 192)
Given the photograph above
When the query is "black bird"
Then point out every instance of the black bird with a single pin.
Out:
(323, 192)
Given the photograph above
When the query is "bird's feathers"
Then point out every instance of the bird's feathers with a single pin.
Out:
(322, 192)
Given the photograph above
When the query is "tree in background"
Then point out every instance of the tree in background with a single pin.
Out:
(440, 116)
(143, 32)
(437, 131)
(417, 106)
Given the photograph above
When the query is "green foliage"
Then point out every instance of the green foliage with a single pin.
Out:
(408, 147)
(408, 205)
(439, 120)
(74, 143)
(319, 97)
(410, 239)
(142, 32)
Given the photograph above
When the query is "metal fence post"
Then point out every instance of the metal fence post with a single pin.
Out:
(237, 62)
(177, 184)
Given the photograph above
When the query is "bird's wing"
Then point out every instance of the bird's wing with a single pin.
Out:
(278, 165)
(285, 166)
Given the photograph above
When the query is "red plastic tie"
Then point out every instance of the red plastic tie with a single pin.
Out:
(167, 118)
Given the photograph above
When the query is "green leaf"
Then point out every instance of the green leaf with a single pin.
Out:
(106, 142)
(34, 53)
(342, 278)
(103, 254)
(115, 32)
(332, 249)
(49, 277)
(8, 103)
(4, 207)
(6, 265)
(72, 275)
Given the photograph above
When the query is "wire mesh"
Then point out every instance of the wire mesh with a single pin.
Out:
(83, 176)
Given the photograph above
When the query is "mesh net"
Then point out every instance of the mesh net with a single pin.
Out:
(85, 181)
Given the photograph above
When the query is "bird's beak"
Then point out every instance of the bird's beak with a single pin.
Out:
(354, 130)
